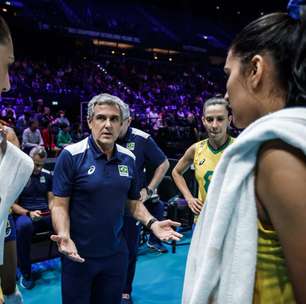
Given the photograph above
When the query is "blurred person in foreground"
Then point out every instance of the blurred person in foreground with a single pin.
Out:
(15, 170)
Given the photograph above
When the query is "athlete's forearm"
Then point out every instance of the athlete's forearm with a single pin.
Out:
(139, 211)
(60, 216)
(181, 185)
(159, 174)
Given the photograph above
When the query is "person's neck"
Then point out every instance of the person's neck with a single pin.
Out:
(218, 144)
(106, 149)
(122, 136)
(271, 102)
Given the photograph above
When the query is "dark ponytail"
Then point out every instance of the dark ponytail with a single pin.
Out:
(284, 39)
(297, 85)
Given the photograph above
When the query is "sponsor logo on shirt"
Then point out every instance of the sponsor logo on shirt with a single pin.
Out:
(123, 170)
(201, 162)
(130, 146)
(91, 170)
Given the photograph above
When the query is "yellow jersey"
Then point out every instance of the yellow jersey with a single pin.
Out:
(272, 285)
(205, 161)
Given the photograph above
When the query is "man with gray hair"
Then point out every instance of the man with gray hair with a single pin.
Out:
(31, 213)
(94, 180)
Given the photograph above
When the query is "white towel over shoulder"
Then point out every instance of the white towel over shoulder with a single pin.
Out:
(222, 257)
(16, 168)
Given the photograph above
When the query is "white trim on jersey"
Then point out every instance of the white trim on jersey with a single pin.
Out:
(140, 133)
(78, 147)
(125, 151)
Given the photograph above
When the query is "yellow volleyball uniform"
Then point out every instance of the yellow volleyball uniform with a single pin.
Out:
(205, 161)
(272, 285)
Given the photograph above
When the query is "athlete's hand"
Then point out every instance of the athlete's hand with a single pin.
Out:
(67, 247)
(143, 195)
(195, 205)
(35, 215)
(164, 231)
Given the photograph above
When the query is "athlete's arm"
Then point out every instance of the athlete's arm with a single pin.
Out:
(60, 215)
(178, 176)
(50, 199)
(159, 174)
(61, 225)
(280, 187)
(162, 229)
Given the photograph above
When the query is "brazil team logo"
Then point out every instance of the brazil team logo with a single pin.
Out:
(130, 146)
(123, 170)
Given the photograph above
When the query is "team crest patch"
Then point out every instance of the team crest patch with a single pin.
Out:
(201, 162)
(123, 170)
(130, 146)
(42, 180)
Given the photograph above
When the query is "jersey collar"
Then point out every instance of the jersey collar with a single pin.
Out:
(99, 154)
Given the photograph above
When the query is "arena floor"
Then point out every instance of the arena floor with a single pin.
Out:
(159, 278)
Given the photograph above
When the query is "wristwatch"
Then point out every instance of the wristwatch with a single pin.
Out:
(149, 191)
(28, 213)
(150, 223)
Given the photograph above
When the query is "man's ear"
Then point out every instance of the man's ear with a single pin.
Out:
(203, 119)
(89, 123)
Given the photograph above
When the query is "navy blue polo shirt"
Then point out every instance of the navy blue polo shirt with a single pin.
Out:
(98, 189)
(35, 194)
(145, 149)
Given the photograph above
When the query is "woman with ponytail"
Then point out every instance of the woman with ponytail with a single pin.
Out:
(249, 243)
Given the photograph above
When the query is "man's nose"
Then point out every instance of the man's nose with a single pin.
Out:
(108, 122)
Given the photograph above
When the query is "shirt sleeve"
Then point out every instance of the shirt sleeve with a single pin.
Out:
(63, 175)
(153, 154)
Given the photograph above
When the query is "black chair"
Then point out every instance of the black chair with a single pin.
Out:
(144, 232)
(176, 208)
(42, 247)
(179, 211)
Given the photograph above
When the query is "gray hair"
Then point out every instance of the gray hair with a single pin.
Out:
(216, 101)
(102, 99)
(125, 111)
(40, 151)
